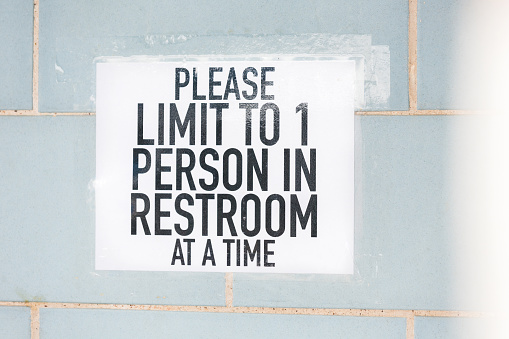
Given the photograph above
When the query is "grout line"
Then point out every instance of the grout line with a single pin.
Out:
(228, 293)
(410, 333)
(35, 60)
(256, 310)
(34, 321)
(17, 112)
(444, 112)
(412, 55)
(55, 114)
(452, 314)
(384, 113)
(418, 112)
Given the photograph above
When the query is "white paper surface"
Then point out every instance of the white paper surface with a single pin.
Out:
(325, 87)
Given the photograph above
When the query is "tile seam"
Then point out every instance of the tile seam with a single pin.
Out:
(16, 112)
(418, 112)
(34, 321)
(410, 332)
(257, 310)
(35, 61)
(385, 113)
(228, 289)
(452, 314)
(412, 55)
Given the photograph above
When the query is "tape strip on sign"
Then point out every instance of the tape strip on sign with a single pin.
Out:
(226, 166)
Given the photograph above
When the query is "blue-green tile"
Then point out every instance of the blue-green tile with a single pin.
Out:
(48, 230)
(454, 328)
(16, 40)
(438, 54)
(61, 323)
(14, 322)
(404, 253)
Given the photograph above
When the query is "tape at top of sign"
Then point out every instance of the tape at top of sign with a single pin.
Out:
(76, 71)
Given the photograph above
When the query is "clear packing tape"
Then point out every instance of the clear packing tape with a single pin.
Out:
(76, 58)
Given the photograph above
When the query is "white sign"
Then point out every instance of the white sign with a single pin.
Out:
(225, 166)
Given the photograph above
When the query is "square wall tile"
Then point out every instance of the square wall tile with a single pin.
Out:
(14, 322)
(439, 52)
(16, 43)
(48, 224)
(404, 239)
(454, 328)
(76, 323)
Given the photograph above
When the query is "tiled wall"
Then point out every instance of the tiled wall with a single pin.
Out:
(404, 284)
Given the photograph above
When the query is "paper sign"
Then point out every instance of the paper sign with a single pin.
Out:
(225, 166)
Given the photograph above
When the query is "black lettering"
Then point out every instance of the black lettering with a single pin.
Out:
(160, 169)
(159, 214)
(222, 214)
(196, 96)
(219, 120)
(266, 253)
(268, 215)
(209, 254)
(286, 169)
(226, 169)
(265, 83)
(263, 122)
(204, 212)
(188, 243)
(237, 242)
(179, 84)
(244, 216)
(250, 83)
(261, 172)
(184, 213)
(141, 140)
(189, 121)
(178, 253)
(139, 214)
(232, 79)
(302, 167)
(136, 164)
(160, 125)
(304, 122)
(228, 243)
(213, 83)
(253, 253)
(204, 123)
(249, 114)
(185, 169)
(215, 175)
(296, 211)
